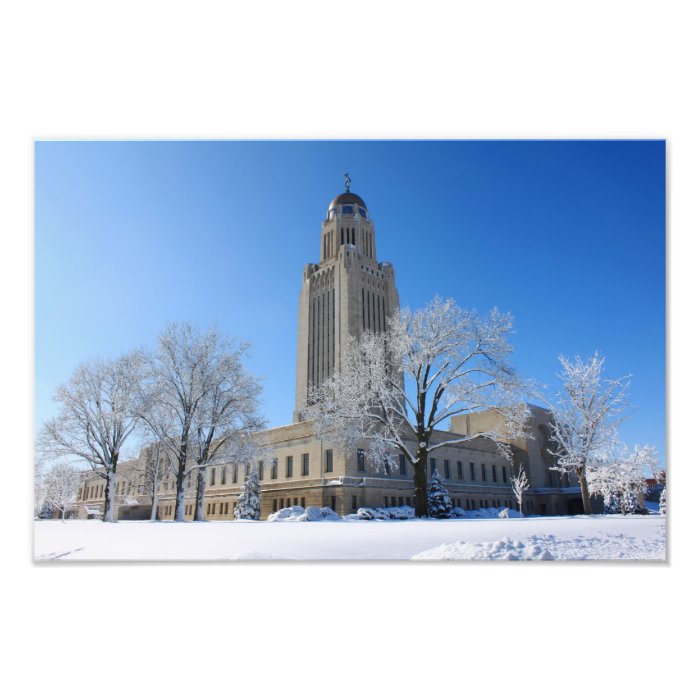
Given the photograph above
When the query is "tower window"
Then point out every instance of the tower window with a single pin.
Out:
(360, 460)
(329, 460)
(363, 213)
(347, 208)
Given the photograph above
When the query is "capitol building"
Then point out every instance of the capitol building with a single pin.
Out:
(347, 292)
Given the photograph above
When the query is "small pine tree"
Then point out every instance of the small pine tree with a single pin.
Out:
(248, 506)
(662, 502)
(439, 502)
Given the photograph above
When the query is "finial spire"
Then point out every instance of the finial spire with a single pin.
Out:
(347, 182)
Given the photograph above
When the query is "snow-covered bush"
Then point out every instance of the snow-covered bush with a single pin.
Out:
(393, 513)
(439, 502)
(503, 513)
(619, 478)
(248, 506)
(662, 502)
(300, 514)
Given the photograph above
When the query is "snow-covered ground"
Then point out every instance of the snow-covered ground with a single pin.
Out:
(578, 537)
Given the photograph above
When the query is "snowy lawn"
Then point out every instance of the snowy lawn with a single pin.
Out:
(578, 537)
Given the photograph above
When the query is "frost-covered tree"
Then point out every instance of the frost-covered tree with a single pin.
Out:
(198, 401)
(662, 502)
(439, 501)
(152, 472)
(619, 477)
(248, 505)
(39, 489)
(519, 483)
(586, 413)
(395, 389)
(96, 418)
(61, 483)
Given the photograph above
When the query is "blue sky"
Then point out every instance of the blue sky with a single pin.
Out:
(568, 236)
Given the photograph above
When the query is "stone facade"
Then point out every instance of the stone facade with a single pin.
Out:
(347, 292)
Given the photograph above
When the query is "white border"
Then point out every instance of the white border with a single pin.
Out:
(448, 70)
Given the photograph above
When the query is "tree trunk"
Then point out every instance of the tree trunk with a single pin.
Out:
(180, 495)
(420, 483)
(108, 516)
(154, 505)
(585, 496)
(201, 485)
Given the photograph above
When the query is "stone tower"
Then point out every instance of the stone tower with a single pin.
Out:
(347, 292)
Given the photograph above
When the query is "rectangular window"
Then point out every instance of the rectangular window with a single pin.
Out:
(432, 465)
(289, 503)
(386, 501)
(226, 508)
(483, 472)
(221, 508)
(447, 468)
(274, 468)
(329, 461)
(333, 502)
(274, 505)
(247, 470)
(235, 475)
(224, 469)
(460, 471)
(261, 470)
(303, 502)
(505, 476)
(400, 500)
(393, 501)
(290, 466)
(493, 472)
(212, 480)
(360, 460)
(354, 502)
(305, 464)
(402, 464)
(387, 467)
(472, 475)
(296, 501)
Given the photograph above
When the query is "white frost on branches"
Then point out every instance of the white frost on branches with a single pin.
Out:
(395, 389)
(586, 414)
(619, 477)
(248, 505)
(199, 402)
(96, 418)
(60, 487)
(520, 484)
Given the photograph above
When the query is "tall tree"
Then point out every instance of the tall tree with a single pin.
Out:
(96, 418)
(199, 402)
(153, 471)
(586, 414)
(395, 389)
